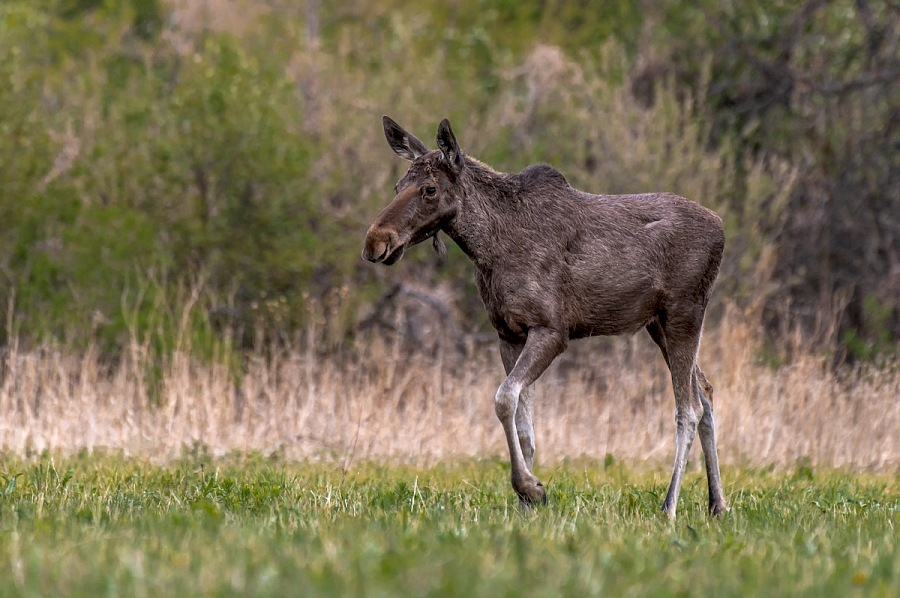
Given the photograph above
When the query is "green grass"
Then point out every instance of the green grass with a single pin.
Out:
(106, 526)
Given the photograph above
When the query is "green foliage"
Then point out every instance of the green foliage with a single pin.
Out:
(141, 149)
(185, 166)
(149, 164)
(813, 85)
(201, 526)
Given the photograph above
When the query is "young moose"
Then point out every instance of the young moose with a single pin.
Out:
(552, 264)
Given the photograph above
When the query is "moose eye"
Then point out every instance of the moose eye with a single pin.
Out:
(430, 190)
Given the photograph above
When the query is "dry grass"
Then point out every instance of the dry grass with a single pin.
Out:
(608, 396)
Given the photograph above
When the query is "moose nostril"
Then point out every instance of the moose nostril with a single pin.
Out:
(370, 255)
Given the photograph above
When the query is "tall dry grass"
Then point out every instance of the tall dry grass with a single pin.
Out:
(378, 401)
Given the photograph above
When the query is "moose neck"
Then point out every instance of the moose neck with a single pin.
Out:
(477, 225)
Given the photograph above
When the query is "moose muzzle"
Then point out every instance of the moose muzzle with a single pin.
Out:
(383, 245)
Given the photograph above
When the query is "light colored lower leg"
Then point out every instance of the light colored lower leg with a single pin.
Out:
(525, 424)
(688, 411)
(524, 365)
(707, 429)
(505, 404)
(685, 430)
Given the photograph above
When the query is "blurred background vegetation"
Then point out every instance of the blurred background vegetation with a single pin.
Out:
(227, 155)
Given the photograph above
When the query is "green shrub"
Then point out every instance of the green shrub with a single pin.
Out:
(143, 154)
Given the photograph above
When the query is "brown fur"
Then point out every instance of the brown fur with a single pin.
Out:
(552, 264)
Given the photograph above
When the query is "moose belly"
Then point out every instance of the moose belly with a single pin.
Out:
(611, 311)
(582, 310)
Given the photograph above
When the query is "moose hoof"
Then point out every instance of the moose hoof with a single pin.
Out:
(531, 494)
(717, 509)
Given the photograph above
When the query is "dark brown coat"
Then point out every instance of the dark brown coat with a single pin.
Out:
(552, 264)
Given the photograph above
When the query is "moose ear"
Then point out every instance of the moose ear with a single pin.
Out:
(404, 144)
(448, 146)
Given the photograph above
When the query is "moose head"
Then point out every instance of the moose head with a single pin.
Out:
(427, 196)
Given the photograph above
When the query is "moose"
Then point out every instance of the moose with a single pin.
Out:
(553, 264)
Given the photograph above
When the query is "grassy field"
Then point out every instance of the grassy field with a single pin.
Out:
(106, 526)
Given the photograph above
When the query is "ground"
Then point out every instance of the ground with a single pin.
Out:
(96, 525)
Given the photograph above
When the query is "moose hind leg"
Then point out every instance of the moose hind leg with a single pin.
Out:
(707, 429)
(682, 353)
(685, 411)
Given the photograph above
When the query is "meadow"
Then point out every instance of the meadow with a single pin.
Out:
(383, 473)
(104, 525)
(204, 391)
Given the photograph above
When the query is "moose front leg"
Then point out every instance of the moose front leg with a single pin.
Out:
(525, 424)
(510, 352)
(541, 348)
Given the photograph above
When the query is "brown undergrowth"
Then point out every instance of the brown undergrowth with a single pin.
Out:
(378, 401)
